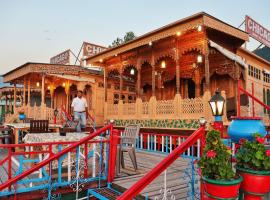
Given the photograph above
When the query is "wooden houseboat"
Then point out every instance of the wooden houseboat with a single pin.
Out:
(161, 80)
(175, 70)
(47, 87)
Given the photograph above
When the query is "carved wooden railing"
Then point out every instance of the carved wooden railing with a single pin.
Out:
(176, 108)
(35, 112)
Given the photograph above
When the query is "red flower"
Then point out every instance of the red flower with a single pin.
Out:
(268, 152)
(260, 140)
(199, 171)
(242, 141)
(211, 154)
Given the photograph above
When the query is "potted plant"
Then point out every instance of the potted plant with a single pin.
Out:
(22, 116)
(219, 179)
(253, 164)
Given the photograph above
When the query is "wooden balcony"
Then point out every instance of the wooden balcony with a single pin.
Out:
(177, 113)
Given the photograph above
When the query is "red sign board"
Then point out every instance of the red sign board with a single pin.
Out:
(92, 49)
(257, 31)
(62, 58)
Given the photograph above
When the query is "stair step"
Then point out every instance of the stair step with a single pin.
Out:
(104, 193)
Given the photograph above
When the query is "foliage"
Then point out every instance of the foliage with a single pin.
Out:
(215, 162)
(253, 154)
(128, 37)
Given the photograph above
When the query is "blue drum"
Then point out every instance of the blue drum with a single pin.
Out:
(245, 127)
(22, 116)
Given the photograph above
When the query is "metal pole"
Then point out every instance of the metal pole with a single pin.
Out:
(238, 99)
(78, 54)
(253, 106)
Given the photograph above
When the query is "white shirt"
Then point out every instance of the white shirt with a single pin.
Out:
(79, 104)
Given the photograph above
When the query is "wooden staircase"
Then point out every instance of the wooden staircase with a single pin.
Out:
(177, 181)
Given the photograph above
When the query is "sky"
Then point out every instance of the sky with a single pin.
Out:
(35, 30)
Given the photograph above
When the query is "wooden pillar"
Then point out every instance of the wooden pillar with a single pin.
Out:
(24, 91)
(121, 82)
(197, 82)
(43, 90)
(177, 68)
(52, 95)
(6, 108)
(68, 96)
(207, 71)
(15, 97)
(105, 85)
(138, 81)
(153, 75)
(28, 93)
(237, 77)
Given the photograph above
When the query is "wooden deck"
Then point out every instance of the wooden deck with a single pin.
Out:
(176, 183)
(146, 161)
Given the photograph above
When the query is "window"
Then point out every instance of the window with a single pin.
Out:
(254, 72)
(266, 77)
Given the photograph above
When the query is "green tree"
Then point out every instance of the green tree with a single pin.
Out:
(118, 41)
(129, 36)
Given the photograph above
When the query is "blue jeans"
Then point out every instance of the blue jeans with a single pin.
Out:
(81, 117)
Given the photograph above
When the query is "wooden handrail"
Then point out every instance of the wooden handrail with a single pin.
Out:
(251, 96)
(53, 157)
(162, 166)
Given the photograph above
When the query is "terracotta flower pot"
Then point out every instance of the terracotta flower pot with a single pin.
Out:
(221, 189)
(255, 184)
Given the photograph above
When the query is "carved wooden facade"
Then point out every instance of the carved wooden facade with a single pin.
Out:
(175, 60)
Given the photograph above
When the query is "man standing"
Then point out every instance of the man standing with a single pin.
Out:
(79, 108)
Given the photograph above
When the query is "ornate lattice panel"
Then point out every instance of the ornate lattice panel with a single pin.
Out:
(145, 108)
(192, 106)
(165, 107)
(112, 109)
(129, 108)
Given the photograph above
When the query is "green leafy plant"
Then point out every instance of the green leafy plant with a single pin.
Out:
(215, 162)
(253, 154)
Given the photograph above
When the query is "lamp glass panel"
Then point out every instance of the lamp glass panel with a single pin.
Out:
(220, 105)
(213, 107)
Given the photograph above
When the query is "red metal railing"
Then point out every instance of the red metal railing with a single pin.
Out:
(163, 165)
(86, 140)
(241, 89)
(69, 117)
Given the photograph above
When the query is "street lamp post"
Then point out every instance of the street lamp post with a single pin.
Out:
(217, 107)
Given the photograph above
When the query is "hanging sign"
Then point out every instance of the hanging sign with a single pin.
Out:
(257, 31)
(62, 58)
(90, 49)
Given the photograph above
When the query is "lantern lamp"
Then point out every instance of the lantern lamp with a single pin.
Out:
(199, 58)
(132, 71)
(217, 104)
(163, 64)
(37, 84)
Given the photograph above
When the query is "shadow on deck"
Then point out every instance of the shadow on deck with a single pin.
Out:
(178, 176)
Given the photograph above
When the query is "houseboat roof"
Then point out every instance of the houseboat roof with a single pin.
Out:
(58, 69)
(199, 19)
(254, 56)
